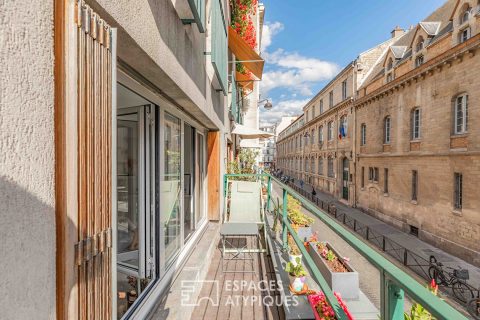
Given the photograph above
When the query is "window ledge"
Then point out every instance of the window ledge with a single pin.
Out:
(459, 135)
(362, 189)
(457, 212)
(415, 140)
(415, 202)
(385, 194)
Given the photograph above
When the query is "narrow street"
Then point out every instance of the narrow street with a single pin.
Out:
(369, 275)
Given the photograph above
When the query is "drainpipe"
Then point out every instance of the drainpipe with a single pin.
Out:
(354, 137)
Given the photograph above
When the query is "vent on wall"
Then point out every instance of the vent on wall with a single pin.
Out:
(414, 231)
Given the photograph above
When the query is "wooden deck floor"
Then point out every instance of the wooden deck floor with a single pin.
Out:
(239, 295)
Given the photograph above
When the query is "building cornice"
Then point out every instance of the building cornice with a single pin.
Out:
(444, 59)
(322, 116)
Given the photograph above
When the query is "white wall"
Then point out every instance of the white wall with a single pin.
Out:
(27, 216)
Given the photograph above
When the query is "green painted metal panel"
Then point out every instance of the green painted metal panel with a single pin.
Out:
(198, 10)
(395, 282)
(219, 44)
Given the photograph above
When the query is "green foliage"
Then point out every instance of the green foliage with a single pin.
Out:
(330, 256)
(418, 312)
(295, 214)
(292, 247)
(244, 164)
(296, 270)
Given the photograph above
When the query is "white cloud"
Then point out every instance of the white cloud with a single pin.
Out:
(284, 108)
(295, 72)
(269, 30)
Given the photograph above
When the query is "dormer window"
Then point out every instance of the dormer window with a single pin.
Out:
(465, 15)
(419, 60)
(420, 44)
(464, 35)
(390, 64)
(389, 77)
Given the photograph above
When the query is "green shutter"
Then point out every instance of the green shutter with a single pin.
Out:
(219, 44)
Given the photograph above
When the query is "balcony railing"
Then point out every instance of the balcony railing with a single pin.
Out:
(198, 11)
(395, 283)
(219, 44)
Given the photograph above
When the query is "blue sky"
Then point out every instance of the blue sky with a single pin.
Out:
(306, 42)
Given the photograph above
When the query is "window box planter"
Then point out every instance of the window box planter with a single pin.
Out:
(344, 283)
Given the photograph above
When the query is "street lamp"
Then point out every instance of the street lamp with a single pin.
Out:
(268, 105)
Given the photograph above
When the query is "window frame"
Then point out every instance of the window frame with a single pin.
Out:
(385, 180)
(363, 134)
(457, 191)
(414, 185)
(330, 131)
(330, 168)
(464, 110)
(330, 99)
(415, 126)
(387, 127)
(344, 89)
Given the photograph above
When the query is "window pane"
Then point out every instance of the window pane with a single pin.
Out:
(170, 186)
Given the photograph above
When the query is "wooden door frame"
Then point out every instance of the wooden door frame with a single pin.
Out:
(65, 160)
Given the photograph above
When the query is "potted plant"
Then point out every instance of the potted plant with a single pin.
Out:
(417, 311)
(322, 309)
(337, 271)
(313, 240)
(300, 222)
(294, 253)
(297, 276)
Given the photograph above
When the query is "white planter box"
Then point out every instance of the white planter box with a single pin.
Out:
(345, 283)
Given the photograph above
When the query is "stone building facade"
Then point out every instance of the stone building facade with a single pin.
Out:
(412, 155)
(318, 147)
(419, 139)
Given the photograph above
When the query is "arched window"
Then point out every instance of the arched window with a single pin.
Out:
(320, 135)
(415, 127)
(312, 137)
(305, 165)
(363, 134)
(320, 166)
(465, 13)
(386, 129)
(330, 131)
(390, 64)
(420, 44)
(312, 165)
(461, 114)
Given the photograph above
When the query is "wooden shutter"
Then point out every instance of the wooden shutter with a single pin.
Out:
(93, 250)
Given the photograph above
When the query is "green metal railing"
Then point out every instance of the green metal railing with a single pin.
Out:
(219, 44)
(395, 283)
(234, 106)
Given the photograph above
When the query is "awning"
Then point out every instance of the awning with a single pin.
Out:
(244, 81)
(246, 55)
(249, 133)
(250, 144)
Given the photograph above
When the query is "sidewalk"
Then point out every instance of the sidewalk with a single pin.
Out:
(404, 239)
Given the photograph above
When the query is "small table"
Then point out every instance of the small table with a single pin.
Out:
(236, 230)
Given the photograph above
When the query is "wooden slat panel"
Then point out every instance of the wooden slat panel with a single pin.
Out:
(242, 51)
(213, 173)
(94, 164)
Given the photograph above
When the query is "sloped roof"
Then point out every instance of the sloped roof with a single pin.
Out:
(398, 51)
(431, 27)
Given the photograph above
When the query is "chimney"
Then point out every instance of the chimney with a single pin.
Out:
(397, 32)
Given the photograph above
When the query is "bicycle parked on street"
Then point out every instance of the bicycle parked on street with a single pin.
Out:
(453, 278)
(473, 305)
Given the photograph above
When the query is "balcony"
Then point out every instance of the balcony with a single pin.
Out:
(384, 290)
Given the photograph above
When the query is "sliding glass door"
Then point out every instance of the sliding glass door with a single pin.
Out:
(170, 186)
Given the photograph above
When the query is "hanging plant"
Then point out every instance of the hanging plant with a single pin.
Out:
(242, 23)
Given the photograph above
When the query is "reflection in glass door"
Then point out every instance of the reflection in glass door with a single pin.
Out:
(135, 220)
(189, 180)
(170, 187)
(199, 178)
